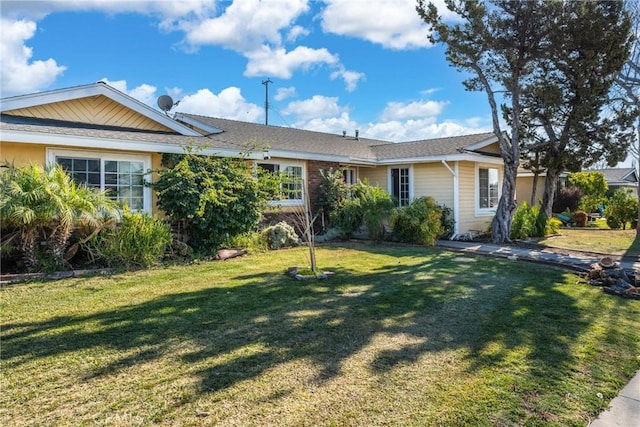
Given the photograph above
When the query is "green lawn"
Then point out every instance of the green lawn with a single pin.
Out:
(401, 335)
(596, 239)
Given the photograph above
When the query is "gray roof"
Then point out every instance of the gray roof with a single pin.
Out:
(235, 136)
(304, 141)
(618, 175)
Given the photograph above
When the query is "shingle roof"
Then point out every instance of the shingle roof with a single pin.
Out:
(236, 135)
(619, 175)
(429, 147)
(289, 139)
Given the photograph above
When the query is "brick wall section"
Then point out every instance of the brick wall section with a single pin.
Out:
(315, 179)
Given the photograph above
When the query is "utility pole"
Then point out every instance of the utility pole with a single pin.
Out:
(266, 100)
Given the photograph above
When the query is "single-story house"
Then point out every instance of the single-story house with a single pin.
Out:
(109, 140)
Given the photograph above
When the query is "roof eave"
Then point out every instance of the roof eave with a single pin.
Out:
(94, 89)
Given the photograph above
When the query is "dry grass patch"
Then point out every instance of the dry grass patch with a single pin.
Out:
(400, 336)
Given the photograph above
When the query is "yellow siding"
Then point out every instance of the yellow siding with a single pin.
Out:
(467, 206)
(98, 110)
(435, 180)
(524, 189)
(492, 148)
(22, 154)
(376, 176)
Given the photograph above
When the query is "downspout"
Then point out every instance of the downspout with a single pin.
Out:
(456, 191)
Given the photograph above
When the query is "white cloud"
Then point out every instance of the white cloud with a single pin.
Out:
(296, 32)
(334, 125)
(351, 78)
(228, 104)
(393, 24)
(245, 25)
(280, 63)
(285, 93)
(414, 130)
(316, 107)
(20, 74)
(417, 109)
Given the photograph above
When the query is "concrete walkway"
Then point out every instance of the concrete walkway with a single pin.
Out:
(624, 410)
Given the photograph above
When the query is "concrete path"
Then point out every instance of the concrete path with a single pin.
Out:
(624, 410)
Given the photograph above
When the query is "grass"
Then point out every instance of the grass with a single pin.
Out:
(598, 239)
(401, 335)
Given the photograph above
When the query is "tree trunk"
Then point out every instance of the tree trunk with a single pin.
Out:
(534, 190)
(550, 186)
(501, 225)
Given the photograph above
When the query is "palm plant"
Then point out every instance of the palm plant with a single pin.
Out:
(38, 203)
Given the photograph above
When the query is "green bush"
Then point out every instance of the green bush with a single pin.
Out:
(281, 235)
(368, 205)
(529, 221)
(621, 208)
(139, 240)
(377, 206)
(41, 208)
(216, 198)
(331, 192)
(251, 241)
(348, 218)
(418, 222)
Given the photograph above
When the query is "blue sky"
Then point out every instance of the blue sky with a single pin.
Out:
(335, 65)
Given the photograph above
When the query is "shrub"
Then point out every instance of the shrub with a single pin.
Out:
(377, 206)
(580, 218)
(448, 222)
(528, 221)
(368, 205)
(251, 241)
(567, 199)
(40, 209)
(281, 235)
(418, 222)
(331, 192)
(348, 218)
(594, 187)
(216, 198)
(621, 208)
(139, 240)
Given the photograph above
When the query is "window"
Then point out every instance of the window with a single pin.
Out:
(292, 182)
(487, 188)
(400, 189)
(121, 176)
(349, 176)
(292, 185)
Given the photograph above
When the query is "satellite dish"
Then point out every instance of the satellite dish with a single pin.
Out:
(165, 103)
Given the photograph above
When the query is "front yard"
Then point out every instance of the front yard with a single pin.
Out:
(401, 335)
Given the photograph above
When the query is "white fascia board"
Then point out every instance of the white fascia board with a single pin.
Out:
(447, 158)
(85, 142)
(61, 95)
(297, 155)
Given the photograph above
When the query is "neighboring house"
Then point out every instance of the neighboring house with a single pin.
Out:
(620, 178)
(109, 140)
(615, 178)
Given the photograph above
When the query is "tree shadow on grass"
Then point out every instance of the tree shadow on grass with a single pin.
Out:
(443, 300)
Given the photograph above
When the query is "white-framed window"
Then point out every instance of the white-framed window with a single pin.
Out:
(350, 176)
(400, 185)
(488, 189)
(291, 187)
(122, 176)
